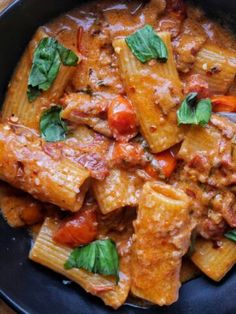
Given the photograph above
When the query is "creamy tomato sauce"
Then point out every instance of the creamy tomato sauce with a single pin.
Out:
(106, 161)
(92, 27)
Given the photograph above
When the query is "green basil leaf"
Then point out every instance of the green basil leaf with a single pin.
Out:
(32, 93)
(99, 257)
(186, 112)
(46, 64)
(52, 127)
(231, 235)
(193, 111)
(146, 45)
(203, 111)
(68, 57)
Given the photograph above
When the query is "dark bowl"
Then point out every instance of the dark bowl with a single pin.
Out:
(30, 288)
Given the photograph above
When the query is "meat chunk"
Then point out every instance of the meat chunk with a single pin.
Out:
(94, 163)
(188, 44)
(85, 147)
(173, 19)
(153, 9)
(82, 108)
(208, 153)
(84, 104)
(212, 227)
(225, 203)
(186, 49)
(196, 84)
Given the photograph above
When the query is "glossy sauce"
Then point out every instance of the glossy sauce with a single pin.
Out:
(91, 99)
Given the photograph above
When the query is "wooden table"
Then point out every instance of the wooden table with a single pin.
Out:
(4, 309)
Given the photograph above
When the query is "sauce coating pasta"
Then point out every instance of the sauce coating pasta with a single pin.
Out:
(111, 132)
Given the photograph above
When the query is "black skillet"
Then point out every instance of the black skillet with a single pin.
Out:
(32, 289)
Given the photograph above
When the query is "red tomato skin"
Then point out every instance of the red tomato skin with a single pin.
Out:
(122, 119)
(77, 230)
(167, 163)
(223, 103)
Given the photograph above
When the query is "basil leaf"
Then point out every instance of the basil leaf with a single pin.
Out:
(46, 64)
(231, 235)
(192, 111)
(186, 112)
(145, 44)
(68, 57)
(52, 127)
(99, 257)
(203, 111)
(32, 93)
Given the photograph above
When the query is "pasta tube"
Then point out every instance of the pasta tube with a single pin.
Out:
(16, 103)
(119, 189)
(46, 252)
(201, 140)
(18, 208)
(25, 165)
(217, 66)
(162, 236)
(188, 270)
(155, 91)
(214, 262)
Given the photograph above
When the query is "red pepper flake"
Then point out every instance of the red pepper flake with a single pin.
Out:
(217, 244)
(152, 128)
(190, 193)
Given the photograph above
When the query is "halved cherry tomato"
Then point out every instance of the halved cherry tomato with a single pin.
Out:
(80, 228)
(166, 164)
(151, 171)
(122, 119)
(223, 103)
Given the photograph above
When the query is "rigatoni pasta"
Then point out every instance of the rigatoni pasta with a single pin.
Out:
(46, 252)
(205, 141)
(156, 261)
(119, 189)
(218, 66)
(215, 262)
(25, 165)
(155, 91)
(17, 105)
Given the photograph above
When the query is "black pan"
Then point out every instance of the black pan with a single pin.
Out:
(32, 289)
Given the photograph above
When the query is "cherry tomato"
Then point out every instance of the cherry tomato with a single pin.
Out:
(79, 229)
(166, 162)
(122, 119)
(224, 103)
